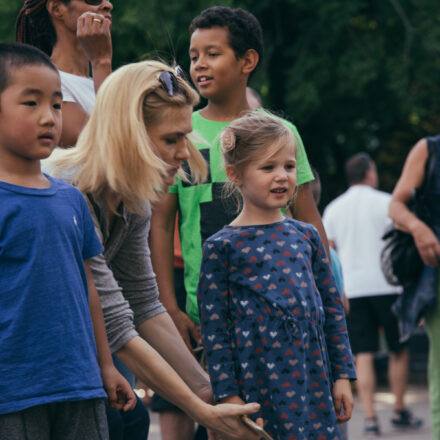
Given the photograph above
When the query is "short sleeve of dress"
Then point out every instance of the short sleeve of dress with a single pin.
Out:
(335, 327)
(213, 300)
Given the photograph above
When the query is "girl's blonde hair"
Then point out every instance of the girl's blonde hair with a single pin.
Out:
(114, 155)
(255, 136)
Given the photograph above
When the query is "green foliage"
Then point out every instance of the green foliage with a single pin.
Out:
(8, 12)
(358, 75)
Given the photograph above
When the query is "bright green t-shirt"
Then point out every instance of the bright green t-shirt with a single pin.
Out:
(202, 209)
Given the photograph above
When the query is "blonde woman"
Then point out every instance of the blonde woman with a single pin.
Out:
(128, 153)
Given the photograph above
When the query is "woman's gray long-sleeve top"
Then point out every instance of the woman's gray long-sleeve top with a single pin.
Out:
(123, 273)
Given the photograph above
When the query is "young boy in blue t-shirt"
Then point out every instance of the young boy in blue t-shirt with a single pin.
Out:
(54, 354)
(226, 47)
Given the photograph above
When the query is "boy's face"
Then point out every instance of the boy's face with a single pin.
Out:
(215, 70)
(30, 113)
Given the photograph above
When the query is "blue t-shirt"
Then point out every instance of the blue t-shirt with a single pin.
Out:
(47, 345)
(337, 271)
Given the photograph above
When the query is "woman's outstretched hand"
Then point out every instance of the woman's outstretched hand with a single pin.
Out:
(226, 418)
(225, 423)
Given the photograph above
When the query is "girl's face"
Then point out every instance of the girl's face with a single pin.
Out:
(268, 184)
(169, 137)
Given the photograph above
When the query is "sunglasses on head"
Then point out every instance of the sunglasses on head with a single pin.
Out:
(169, 81)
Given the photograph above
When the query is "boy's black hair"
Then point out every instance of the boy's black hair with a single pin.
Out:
(356, 167)
(16, 55)
(244, 29)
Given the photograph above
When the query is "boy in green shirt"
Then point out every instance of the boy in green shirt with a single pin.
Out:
(225, 49)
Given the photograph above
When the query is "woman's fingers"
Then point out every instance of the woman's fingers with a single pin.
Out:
(93, 32)
(227, 422)
(427, 245)
(430, 255)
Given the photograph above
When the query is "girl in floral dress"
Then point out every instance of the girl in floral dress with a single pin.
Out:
(272, 320)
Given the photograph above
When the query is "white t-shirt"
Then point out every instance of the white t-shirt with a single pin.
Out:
(78, 89)
(356, 221)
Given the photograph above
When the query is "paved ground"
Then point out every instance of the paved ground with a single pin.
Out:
(417, 398)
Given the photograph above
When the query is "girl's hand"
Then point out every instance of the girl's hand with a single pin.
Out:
(343, 400)
(120, 394)
(93, 33)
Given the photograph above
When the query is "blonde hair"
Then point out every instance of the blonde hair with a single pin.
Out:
(114, 154)
(255, 136)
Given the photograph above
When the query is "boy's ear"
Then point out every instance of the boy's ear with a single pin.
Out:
(250, 61)
(233, 175)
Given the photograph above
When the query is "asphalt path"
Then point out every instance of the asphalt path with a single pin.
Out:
(416, 398)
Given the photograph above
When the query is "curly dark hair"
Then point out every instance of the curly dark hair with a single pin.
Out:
(244, 29)
(34, 26)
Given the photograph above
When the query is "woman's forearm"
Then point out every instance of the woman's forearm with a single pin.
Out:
(147, 364)
(402, 217)
(150, 367)
(161, 333)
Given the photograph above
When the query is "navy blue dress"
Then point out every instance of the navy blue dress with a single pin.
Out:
(273, 325)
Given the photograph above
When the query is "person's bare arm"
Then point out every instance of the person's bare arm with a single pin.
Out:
(304, 209)
(161, 240)
(119, 391)
(161, 333)
(346, 303)
(411, 178)
(74, 119)
(152, 369)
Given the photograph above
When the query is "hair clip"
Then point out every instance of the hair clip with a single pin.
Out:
(227, 140)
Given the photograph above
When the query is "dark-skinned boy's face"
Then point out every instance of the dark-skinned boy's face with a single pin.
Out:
(215, 70)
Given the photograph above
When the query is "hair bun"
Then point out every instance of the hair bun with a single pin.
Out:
(227, 140)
